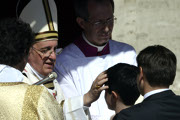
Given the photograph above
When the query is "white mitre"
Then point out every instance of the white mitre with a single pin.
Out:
(42, 17)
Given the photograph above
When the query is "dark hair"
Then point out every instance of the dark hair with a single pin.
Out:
(122, 79)
(158, 64)
(81, 7)
(16, 38)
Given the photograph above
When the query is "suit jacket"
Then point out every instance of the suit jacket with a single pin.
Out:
(161, 106)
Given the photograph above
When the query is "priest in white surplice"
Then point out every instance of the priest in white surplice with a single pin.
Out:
(93, 52)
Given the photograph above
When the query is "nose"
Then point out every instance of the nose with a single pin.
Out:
(106, 29)
(53, 55)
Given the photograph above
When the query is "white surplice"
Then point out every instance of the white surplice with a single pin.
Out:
(76, 72)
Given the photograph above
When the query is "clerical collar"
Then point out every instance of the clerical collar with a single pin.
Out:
(90, 50)
(100, 48)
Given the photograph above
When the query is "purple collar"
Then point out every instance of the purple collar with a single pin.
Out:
(88, 50)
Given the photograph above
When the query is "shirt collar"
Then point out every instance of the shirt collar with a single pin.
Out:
(154, 92)
(10, 74)
(90, 50)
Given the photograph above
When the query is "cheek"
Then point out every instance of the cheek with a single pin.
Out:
(39, 65)
(37, 62)
(107, 98)
(92, 30)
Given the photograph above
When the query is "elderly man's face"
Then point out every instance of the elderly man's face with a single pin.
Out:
(42, 56)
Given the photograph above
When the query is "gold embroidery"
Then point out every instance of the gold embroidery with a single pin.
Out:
(70, 108)
(49, 85)
(30, 103)
(10, 83)
(47, 35)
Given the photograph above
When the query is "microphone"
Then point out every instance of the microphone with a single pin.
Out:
(50, 77)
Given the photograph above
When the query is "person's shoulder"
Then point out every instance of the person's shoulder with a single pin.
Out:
(138, 111)
(36, 89)
(37, 92)
(71, 48)
(121, 45)
(31, 90)
(15, 85)
(177, 96)
(68, 53)
(65, 52)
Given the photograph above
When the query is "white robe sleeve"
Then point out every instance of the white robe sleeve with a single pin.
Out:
(73, 109)
(67, 82)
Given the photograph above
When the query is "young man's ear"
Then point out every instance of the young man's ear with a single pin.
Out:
(114, 99)
(80, 22)
(140, 74)
(114, 95)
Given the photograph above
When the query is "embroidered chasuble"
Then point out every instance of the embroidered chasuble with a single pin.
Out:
(73, 108)
(19, 101)
(33, 77)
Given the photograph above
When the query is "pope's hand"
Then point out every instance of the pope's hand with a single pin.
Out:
(96, 89)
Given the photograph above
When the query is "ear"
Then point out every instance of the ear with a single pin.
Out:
(30, 50)
(80, 22)
(30, 53)
(140, 74)
(114, 95)
(141, 80)
(114, 99)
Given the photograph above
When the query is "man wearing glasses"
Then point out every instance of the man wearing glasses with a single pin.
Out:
(93, 52)
(42, 57)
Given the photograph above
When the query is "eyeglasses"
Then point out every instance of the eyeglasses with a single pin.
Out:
(45, 52)
(101, 23)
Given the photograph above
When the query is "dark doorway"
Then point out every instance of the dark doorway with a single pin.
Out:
(67, 26)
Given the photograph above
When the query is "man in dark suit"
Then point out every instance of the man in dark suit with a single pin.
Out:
(157, 66)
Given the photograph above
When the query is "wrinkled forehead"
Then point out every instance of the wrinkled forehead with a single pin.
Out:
(47, 43)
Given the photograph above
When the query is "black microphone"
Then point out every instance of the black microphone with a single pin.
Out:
(50, 77)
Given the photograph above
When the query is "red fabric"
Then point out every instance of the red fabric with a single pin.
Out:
(88, 50)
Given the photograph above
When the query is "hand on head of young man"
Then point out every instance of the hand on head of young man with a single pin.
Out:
(96, 89)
